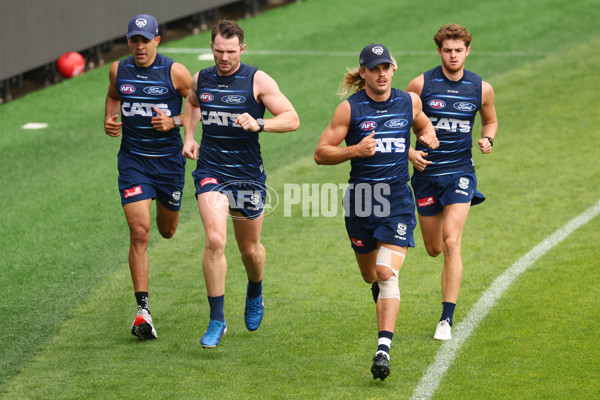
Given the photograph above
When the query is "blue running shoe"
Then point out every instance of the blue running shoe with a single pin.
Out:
(216, 330)
(254, 312)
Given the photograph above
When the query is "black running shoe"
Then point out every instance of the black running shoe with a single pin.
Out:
(375, 291)
(381, 366)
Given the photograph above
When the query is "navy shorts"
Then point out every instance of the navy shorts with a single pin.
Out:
(142, 178)
(379, 212)
(435, 192)
(245, 196)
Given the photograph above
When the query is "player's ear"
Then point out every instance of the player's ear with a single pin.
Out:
(157, 39)
(243, 47)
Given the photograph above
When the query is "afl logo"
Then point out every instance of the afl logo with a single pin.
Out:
(396, 123)
(206, 97)
(368, 125)
(155, 90)
(437, 103)
(233, 99)
(463, 106)
(127, 89)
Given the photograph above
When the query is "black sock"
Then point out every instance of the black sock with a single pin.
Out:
(447, 311)
(142, 300)
(216, 308)
(254, 289)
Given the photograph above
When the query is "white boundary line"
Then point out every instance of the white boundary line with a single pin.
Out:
(322, 53)
(448, 351)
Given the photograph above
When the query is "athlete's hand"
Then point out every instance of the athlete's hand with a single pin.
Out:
(247, 122)
(112, 127)
(417, 158)
(485, 146)
(190, 149)
(162, 122)
(366, 147)
(429, 140)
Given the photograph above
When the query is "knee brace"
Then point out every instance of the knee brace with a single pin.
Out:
(389, 289)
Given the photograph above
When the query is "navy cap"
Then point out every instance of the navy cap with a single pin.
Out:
(373, 55)
(143, 24)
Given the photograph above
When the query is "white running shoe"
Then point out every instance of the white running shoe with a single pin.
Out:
(142, 325)
(443, 330)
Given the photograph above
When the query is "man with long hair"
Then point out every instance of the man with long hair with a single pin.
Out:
(375, 122)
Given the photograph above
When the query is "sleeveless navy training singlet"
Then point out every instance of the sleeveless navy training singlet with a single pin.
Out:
(142, 89)
(225, 148)
(451, 106)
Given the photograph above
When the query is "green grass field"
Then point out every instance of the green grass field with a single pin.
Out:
(66, 298)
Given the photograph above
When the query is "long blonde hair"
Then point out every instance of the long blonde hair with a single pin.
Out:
(353, 82)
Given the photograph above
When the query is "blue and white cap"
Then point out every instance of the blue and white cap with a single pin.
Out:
(373, 55)
(143, 24)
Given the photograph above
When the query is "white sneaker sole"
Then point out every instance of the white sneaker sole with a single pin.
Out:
(442, 337)
(443, 332)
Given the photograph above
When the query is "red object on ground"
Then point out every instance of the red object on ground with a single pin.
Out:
(70, 64)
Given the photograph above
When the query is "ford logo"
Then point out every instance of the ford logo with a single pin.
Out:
(155, 90)
(233, 99)
(396, 123)
(464, 106)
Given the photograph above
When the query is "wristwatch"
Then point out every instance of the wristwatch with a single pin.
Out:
(490, 139)
(177, 121)
(261, 124)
